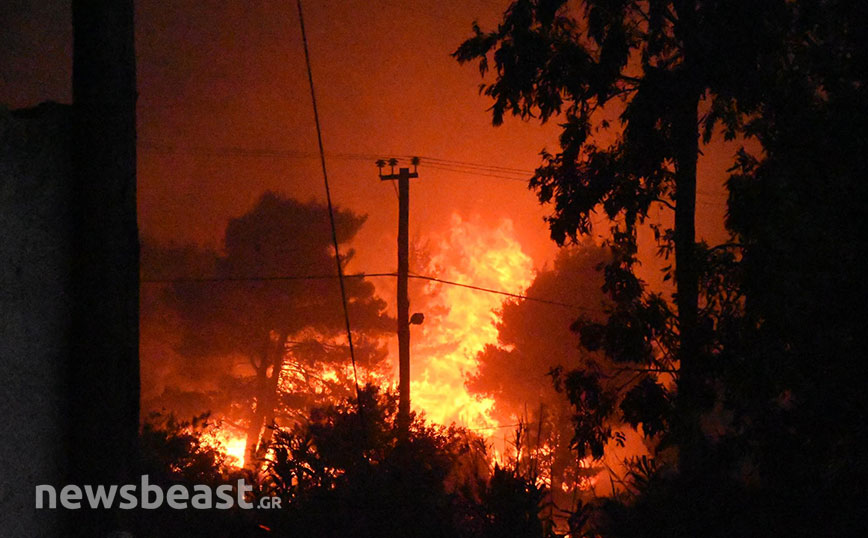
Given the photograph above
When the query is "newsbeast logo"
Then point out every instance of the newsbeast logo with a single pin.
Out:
(151, 496)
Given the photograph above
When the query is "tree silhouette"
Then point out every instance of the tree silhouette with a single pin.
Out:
(290, 326)
(652, 62)
(342, 475)
(173, 454)
(796, 370)
(534, 339)
(771, 399)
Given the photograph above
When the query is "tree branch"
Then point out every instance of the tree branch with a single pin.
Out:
(664, 202)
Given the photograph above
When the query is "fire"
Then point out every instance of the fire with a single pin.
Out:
(293, 378)
(232, 445)
(235, 446)
(460, 321)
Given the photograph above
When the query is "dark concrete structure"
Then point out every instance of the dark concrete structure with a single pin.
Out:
(69, 275)
(35, 312)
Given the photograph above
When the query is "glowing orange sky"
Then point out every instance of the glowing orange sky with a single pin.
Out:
(217, 75)
(231, 74)
(386, 85)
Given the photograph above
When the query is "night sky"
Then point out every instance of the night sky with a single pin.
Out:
(575, 382)
(224, 114)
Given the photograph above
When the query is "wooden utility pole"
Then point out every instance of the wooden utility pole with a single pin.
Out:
(403, 177)
(103, 380)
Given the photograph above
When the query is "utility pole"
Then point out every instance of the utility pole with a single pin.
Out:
(403, 177)
(103, 372)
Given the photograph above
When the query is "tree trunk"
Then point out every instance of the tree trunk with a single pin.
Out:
(266, 398)
(266, 429)
(563, 457)
(686, 135)
(271, 398)
(255, 424)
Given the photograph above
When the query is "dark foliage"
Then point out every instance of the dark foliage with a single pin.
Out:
(276, 238)
(769, 405)
(173, 453)
(345, 475)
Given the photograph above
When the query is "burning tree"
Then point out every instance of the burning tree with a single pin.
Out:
(534, 339)
(272, 297)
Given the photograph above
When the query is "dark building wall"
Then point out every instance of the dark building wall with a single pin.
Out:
(69, 374)
(35, 254)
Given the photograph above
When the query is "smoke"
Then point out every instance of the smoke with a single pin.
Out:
(535, 337)
(206, 315)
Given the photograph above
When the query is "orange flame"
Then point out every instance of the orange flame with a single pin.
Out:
(461, 321)
(227, 442)
(235, 446)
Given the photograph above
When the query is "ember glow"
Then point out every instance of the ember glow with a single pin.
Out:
(461, 321)
(223, 439)
(234, 449)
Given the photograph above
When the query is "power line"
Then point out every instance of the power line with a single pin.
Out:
(329, 204)
(460, 167)
(437, 163)
(275, 278)
(241, 151)
(500, 427)
(475, 172)
(278, 278)
(504, 293)
(428, 159)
